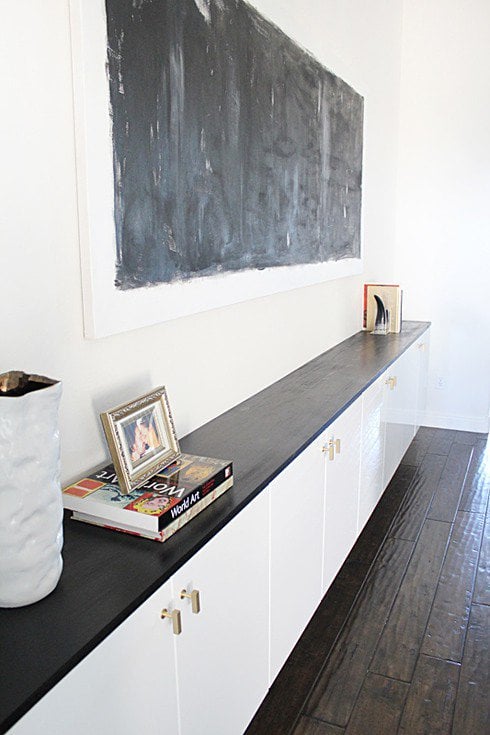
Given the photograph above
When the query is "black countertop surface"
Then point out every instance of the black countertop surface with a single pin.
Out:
(107, 575)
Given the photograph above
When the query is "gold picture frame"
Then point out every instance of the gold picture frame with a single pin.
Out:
(141, 438)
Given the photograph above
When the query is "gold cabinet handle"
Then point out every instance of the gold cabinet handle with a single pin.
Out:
(195, 599)
(391, 382)
(422, 346)
(175, 618)
(395, 381)
(331, 447)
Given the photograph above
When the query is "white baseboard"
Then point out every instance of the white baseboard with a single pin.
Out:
(479, 424)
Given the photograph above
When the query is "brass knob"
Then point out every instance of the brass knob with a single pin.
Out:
(391, 382)
(175, 618)
(337, 446)
(194, 598)
(330, 448)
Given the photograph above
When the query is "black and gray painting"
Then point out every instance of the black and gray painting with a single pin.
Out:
(233, 147)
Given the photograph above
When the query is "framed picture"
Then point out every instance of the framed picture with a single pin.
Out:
(217, 161)
(141, 438)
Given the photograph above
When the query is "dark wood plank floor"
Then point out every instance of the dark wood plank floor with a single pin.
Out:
(401, 642)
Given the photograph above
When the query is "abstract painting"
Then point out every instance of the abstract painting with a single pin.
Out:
(219, 161)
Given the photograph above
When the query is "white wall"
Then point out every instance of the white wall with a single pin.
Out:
(443, 220)
(210, 361)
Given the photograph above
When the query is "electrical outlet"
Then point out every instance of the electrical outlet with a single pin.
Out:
(440, 382)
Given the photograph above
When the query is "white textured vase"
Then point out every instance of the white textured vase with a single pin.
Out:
(31, 509)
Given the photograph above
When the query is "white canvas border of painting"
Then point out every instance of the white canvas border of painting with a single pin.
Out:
(108, 310)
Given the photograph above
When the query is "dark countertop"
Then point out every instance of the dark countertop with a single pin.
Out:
(107, 575)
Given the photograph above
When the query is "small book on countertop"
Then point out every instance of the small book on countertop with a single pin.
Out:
(391, 297)
(157, 509)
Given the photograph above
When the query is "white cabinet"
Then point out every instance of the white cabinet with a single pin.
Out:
(313, 527)
(210, 678)
(222, 653)
(259, 579)
(296, 540)
(393, 407)
(404, 402)
(372, 450)
(125, 685)
(342, 442)
(422, 347)
(400, 408)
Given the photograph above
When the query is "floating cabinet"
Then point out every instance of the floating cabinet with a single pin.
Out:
(297, 502)
(400, 409)
(222, 653)
(199, 655)
(125, 685)
(372, 450)
(342, 445)
(422, 346)
(199, 660)
(314, 507)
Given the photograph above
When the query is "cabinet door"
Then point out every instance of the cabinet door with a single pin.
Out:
(126, 685)
(222, 653)
(400, 408)
(297, 508)
(372, 450)
(341, 490)
(423, 345)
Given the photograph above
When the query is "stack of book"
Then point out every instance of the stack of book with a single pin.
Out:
(390, 296)
(157, 509)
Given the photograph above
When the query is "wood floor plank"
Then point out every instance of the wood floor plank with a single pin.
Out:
(308, 726)
(450, 612)
(442, 441)
(419, 446)
(448, 493)
(398, 647)
(379, 707)
(416, 502)
(285, 699)
(481, 594)
(472, 713)
(338, 686)
(331, 614)
(339, 664)
(294, 682)
(470, 437)
(378, 525)
(477, 485)
(430, 703)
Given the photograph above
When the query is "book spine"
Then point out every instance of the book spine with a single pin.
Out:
(193, 497)
(400, 309)
(195, 510)
(365, 306)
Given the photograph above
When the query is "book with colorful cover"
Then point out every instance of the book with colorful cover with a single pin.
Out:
(188, 484)
(391, 296)
(169, 530)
